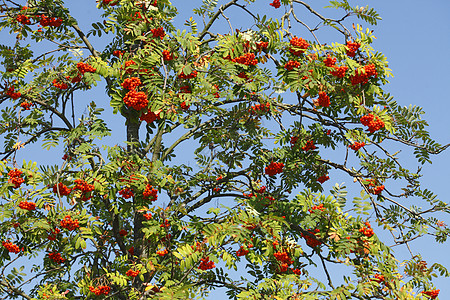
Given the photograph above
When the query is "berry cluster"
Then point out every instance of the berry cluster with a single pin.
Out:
(123, 232)
(83, 68)
(432, 293)
(131, 83)
(118, 53)
(247, 59)
(165, 224)
(132, 273)
(284, 259)
(351, 48)
(10, 92)
(243, 75)
(53, 233)
(158, 32)
(162, 252)
(149, 117)
(126, 193)
(363, 74)
(312, 241)
(290, 65)
(185, 89)
(167, 56)
(299, 46)
(102, 289)
(150, 193)
(84, 187)
(23, 19)
(147, 216)
(323, 178)
(127, 64)
(309, 146)
(69, 224)
(136, 100)
(261, 45)
(15, 177)
(339, 72)
(242, 251)
(193, 74)
(206, 264)
(50, 21)
(356, 146)
(378, 278)
(56, 257)
(316, 207)
(275, 3)
(259, 108)
(108, 2)
(60, 85)
(376, 190)
(274, 168)
(27, 205)
(62, 189)
(329, 61)
(367, 231)
(26, 105)
(11, 247)
(184, 106)
(323, 100)
(374, 123)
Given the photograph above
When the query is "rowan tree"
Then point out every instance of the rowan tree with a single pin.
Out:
(231, 132)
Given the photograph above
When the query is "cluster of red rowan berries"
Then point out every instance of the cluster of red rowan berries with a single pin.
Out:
(432, 293)
(118, 53)
(11, 247)
(309, 146)
(127, 64)
(136, 100)
(53, 233)
(316, 207)
(247, 59)
(242, 251)
(323, 99)
(312, 241)
(373, 123)
(147, 216)
(158, 32)
(261, 45)
(274, 168)
(85, 68)
(149, 117)
(290, 65)
(50, 21)
(132, 273)
(150, 193)
(367, 230)
(162, 252)
(126, 193)
(299, 46)
(27, 205)
(339, 72)
(23, 19)
(60, 85)
(206, 264)
(56, 257)
(243, 75)
(193, 74)
(102, 289)
(378, 278)
(110, 2)
(69, 223)
(356, 146)
(185, 89)
(131, 83)
(376, 190)
(363, 74)
(167, 55)
(351, 48)
(184, 106)
(323, 178)
(123, 232)
(62, 189)
(284, 260)
(165, 224)
(26, 105)
(15, 177)
(329, 61)
(259, 108)
(84, 187)
(10, 92)
(275, 3)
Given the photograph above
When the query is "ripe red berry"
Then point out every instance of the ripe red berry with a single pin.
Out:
(298, 46)
(136, 100)
(274, 168)
(206, 264)
(27, 205)
(275, 3)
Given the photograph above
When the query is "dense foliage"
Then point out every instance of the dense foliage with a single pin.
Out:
(230, 134)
